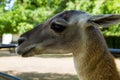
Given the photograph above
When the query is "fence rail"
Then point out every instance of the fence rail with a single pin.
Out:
(8, 45)
(4, 76)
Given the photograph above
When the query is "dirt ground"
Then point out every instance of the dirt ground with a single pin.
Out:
(44, 67)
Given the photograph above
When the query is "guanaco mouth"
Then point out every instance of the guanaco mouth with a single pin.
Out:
(27, 53)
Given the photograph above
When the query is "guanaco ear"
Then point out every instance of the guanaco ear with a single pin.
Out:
(105, 20)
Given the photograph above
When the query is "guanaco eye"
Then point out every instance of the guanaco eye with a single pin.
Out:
(57, 27)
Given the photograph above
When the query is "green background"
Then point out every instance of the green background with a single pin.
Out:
(27, 14)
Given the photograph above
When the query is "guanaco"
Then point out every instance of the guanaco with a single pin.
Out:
(75, 32)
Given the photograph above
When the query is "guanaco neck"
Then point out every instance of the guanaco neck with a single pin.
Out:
(93, 60)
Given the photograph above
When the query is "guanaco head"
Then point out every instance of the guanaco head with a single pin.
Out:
(62, 33)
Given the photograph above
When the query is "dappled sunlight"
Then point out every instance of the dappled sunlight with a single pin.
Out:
(49, 67)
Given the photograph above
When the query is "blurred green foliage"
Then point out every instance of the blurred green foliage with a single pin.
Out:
(28, 13)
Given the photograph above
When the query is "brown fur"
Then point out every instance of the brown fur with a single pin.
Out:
(96, 62)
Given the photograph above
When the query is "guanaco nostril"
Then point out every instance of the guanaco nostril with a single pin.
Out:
(21, 40)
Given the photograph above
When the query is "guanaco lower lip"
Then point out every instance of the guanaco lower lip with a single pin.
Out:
(27, 53)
